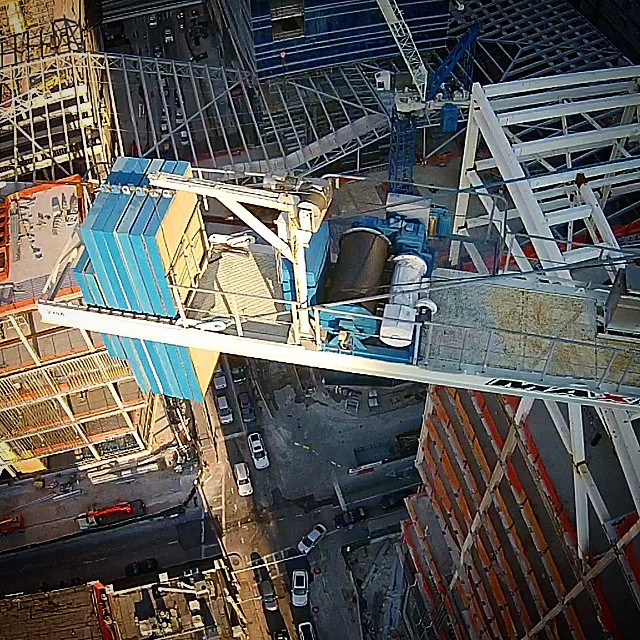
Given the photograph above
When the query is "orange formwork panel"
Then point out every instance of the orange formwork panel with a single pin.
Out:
(438, 488)
(497, 553)
(502, 510)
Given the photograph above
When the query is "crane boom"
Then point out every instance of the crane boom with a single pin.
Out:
(402, 35)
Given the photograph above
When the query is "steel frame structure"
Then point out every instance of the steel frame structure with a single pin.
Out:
(563, 148)
(302, 123)
(65, 400)
(523, 39)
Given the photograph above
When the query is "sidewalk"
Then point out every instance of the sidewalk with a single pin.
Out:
(49, 513)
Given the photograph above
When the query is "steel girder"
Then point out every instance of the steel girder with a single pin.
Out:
(563, 147)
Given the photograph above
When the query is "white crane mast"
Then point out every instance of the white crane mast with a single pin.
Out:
(404, 40)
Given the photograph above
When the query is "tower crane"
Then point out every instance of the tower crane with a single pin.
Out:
(427, 325)
(409, 106)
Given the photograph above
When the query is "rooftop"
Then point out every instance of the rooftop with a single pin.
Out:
(39, 223)
(67, 614)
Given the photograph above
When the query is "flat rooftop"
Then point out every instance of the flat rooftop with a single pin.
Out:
(67, 614)
(40, 226)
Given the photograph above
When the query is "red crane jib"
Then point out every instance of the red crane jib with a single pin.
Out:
(122, 507)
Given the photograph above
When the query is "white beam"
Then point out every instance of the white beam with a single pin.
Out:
(579, 488)
(618, 425)
(563, 177)
(559, 145)
(559, 95)
(565, 80)
(550, 112)
(268, 349)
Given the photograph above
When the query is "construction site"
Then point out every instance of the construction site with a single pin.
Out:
(438, 193)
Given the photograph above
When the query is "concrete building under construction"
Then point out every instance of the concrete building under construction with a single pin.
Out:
(527, 525)
(62, 392)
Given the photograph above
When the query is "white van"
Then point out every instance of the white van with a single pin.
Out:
(243, 481)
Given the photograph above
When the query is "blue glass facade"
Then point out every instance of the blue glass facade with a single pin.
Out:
(290, 36)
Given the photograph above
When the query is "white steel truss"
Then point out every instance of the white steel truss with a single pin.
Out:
(561, 150)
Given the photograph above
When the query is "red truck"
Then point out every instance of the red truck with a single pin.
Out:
(110, 515)
(14, 522)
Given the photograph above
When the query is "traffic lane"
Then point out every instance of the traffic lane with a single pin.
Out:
(103, 555)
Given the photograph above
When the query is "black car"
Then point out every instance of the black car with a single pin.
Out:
(246, 407)
(348, 519)
(395, 499)
(238, 368)
(260, 571)
(283, 634)
(142, 566)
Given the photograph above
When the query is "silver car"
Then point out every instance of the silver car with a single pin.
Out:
(299, 588)
(312, 538)
(258, 451)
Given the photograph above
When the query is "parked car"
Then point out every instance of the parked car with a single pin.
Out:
(348, 519)
(300, 588)
(199, 57)
(306, 632)
(282, 634)
(181, 20)
(219, 380)
(168, 36)
(243, 480)
(225, 413)
(258, 451)
(157, 51)
(153, 21)
(312, 538)
(238, 370)
(143, 566)
(395, 499)
(268, 595)
(184, 138)
(246, 407)
(260, 571)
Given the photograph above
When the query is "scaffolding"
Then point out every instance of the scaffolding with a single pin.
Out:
(61, 391)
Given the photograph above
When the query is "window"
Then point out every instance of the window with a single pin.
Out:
(287, 18)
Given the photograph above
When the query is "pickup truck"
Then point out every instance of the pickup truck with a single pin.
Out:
(110, 515)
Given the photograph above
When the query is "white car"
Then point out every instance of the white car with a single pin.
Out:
(225, 412)
(153, 21)
(219, 380)
(168, 36)
(258, 451)
(312, 538)
(299, 588)
(243, 480)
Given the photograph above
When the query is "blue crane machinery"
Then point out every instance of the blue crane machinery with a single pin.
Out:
(431, 90)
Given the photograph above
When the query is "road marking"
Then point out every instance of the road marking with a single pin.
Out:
(96, 560)
(173, 542)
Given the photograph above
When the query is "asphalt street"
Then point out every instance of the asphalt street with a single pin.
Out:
(103, 555)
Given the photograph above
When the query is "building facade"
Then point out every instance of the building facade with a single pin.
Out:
(61, 392)
(277, 37)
